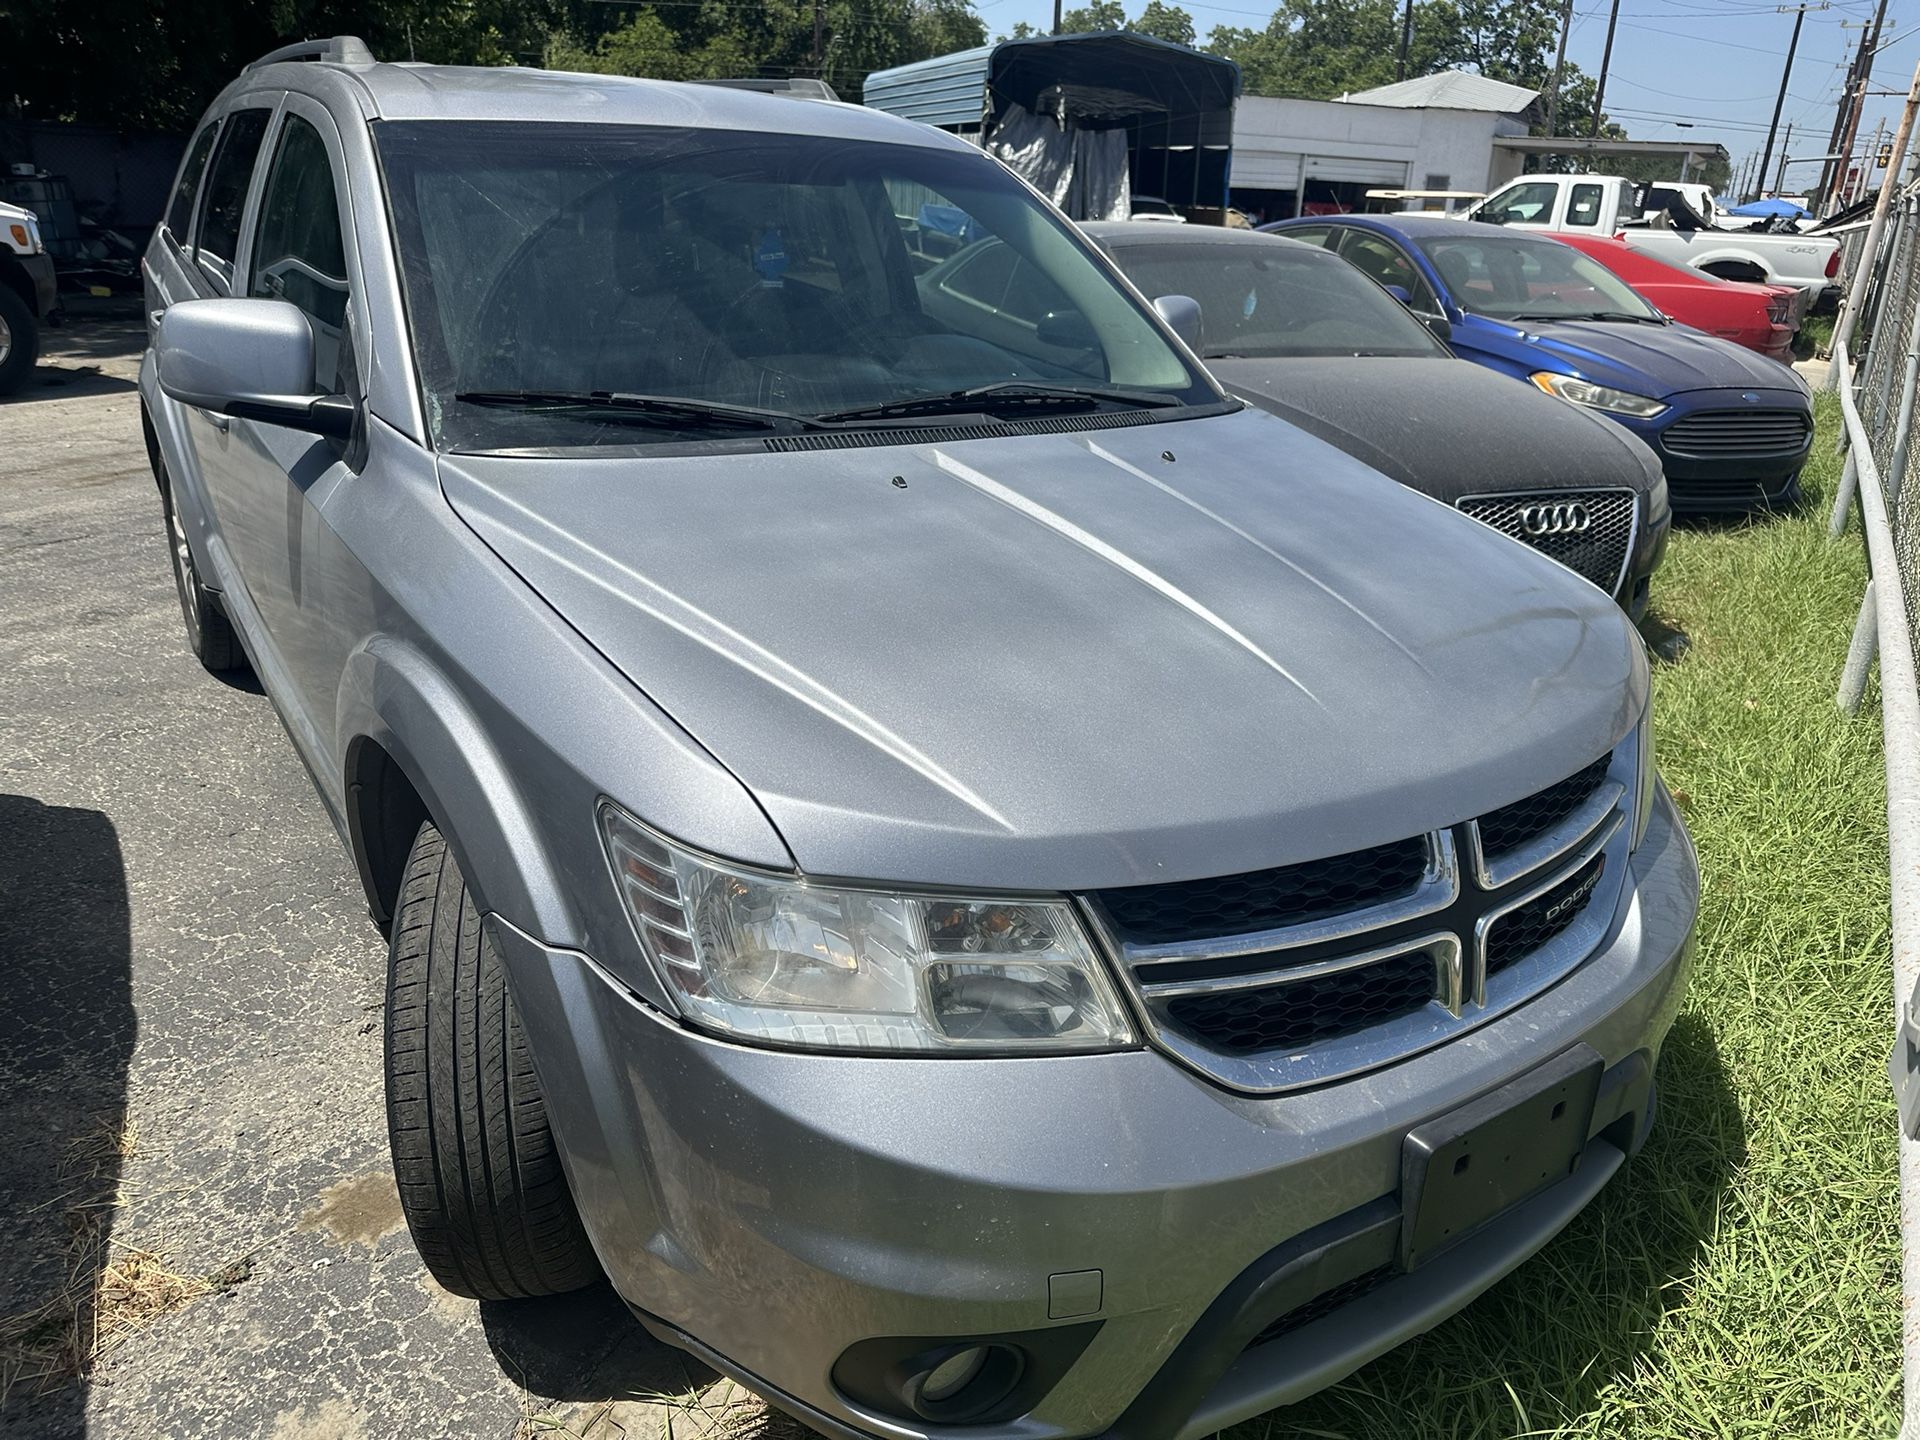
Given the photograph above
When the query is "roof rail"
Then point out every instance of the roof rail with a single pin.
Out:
(800, 86)
(340, 50)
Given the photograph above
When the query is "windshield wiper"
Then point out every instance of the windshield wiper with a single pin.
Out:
(1003, 395)
(1581, 315)
(620, 406)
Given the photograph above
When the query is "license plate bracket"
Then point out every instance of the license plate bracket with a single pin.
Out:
(1464, 1168)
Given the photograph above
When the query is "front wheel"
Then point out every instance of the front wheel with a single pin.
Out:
(19, 340)
(479, 1176)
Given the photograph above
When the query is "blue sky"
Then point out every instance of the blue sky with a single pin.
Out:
(1713, 64)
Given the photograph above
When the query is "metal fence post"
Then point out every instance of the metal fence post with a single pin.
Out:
(1843, 497)
(1860, 651)
(1896, 468)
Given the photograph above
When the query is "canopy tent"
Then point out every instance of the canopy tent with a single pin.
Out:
(1171, 106)
(1770, 209)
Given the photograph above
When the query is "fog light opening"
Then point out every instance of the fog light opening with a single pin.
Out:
(956, 1383)
(952, 1374)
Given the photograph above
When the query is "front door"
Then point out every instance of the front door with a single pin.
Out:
(297, 254)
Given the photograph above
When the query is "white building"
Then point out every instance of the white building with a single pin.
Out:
(1438, 132)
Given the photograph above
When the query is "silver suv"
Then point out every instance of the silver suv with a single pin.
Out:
(991, 889)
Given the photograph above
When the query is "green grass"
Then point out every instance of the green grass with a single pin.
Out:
(1741, 1277)
(1816, 335)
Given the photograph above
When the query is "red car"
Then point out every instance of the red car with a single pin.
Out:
(1760, 317)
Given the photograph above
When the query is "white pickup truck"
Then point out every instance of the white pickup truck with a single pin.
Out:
(1611, 205)
(27, 294)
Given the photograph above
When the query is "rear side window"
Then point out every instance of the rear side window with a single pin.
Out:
(180, 208)
(226, 191)
(1583, 205)
(1321, 235)
(299, 255)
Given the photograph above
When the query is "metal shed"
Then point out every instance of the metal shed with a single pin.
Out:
(1175, 103)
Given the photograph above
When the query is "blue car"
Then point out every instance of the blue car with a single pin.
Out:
(1731, 427)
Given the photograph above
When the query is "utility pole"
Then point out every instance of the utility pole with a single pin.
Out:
(1406, 40)
(1780, 175)
(1840, 113)
(1786, 73)
(1559, 67)
(819, 28)
(1056, 17)
(1870, 247)
(1869, 52)
(1606, 59)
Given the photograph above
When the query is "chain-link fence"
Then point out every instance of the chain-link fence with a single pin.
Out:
(1881, 327)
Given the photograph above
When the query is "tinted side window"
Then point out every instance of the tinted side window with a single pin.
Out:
(982, 277)
(298, 253)
(180, 208)
(226, 190)
(1031, 296)
(1321, 235)
(1388, 264)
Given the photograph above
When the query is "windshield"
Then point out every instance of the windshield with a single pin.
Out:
(1507, 278)
(601, 284)
(1269, 298)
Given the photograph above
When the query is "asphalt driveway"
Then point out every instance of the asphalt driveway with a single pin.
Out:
(199, 1235)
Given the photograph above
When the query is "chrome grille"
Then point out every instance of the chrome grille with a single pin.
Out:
(1733, 433)
(1298, 975)
(1591, 532)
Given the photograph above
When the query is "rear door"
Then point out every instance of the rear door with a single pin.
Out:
(205, 271)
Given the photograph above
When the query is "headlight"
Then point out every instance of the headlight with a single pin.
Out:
(785, 961)
(1597, 397)
(1645, 778)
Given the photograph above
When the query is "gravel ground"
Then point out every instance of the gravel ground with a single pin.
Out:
(193, 1160)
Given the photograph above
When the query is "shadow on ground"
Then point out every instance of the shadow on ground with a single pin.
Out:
(603, 1373)
(1547, 1340)
(67, 382)
(66, 1034)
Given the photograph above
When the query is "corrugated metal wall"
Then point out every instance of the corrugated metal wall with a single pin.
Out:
(948, 90)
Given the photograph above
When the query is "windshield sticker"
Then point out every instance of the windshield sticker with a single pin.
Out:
(770, 258)
(1252, 304)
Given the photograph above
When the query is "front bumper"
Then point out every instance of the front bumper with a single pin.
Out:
(771, 1209)
(46, 285)
(1726, 483)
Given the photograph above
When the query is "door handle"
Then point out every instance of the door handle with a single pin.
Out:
(153, 317)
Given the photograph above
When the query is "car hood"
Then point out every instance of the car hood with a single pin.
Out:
(1073, 660)
(1656, 360)
(1444, 426)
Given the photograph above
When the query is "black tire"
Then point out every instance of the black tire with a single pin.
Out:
(210, 635)
(479, 1176)
(22, 339)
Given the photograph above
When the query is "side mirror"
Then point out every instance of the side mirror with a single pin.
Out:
(1182, 314)
(248, 358)
(1441, 327)
(1066, 330)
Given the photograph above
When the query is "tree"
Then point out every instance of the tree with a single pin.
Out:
(1165, 22)
(1321, 49)
(774, 38)
(1099, 15)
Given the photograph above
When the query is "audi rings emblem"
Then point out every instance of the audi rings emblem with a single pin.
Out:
(1567, 518)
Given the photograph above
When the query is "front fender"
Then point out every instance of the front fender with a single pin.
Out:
(392, 695)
